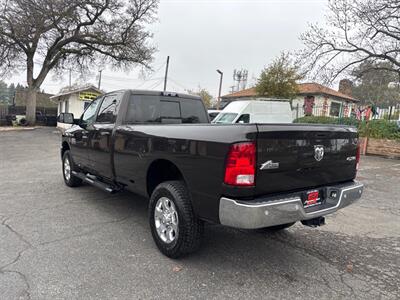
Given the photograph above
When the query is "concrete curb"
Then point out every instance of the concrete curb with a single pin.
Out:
(6, 129)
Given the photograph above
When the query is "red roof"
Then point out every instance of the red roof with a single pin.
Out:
(304, 89)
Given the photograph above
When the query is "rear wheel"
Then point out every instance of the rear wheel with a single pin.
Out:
(175, 228)
(67, 168)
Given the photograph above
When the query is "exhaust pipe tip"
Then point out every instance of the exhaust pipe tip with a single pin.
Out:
(315, 222)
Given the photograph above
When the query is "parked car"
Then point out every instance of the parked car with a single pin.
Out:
(161, 145)
(255, 111)
(212, 113)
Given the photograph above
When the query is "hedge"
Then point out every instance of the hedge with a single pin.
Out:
(380, 129)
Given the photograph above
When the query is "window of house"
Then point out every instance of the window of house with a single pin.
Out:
(335, 109)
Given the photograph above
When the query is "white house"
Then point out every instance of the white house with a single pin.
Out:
(75, 100)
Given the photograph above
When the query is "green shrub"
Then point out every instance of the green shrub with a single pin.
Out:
(328, 120)
(316, 120)
(380, 129)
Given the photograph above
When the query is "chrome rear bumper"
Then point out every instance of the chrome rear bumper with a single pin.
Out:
(285, 209)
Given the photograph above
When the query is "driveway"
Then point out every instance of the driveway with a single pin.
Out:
(82, 243)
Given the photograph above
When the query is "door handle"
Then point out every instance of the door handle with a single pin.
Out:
(104, 133)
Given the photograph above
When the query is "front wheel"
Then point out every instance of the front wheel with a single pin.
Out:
(67, 168)
(175, 228)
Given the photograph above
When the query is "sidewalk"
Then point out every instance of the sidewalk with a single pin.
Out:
(16, 128)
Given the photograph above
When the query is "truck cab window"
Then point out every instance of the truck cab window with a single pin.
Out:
(108, 109)
(193, 111)
(170, 112)
(142, 109)
(160, 109)
(90, 113)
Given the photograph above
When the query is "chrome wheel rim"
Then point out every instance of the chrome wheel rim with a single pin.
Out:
(67, 169)
(166, 220)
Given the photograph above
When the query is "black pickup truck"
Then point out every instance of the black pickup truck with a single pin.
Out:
(252, 176)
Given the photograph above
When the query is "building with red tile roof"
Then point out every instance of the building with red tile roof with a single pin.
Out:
(312, 99)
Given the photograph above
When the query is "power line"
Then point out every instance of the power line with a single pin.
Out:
(124, 85)
(176, 82)
(155, 72)
(156, 84)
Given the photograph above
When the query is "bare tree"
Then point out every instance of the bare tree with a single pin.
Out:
(356, 31)
(80, 34)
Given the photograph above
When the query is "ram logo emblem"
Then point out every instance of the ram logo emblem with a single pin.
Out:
(318, 152)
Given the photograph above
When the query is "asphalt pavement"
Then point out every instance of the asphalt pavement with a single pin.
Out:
(58, 242)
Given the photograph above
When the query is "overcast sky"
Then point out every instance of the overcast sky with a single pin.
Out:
(201, 36)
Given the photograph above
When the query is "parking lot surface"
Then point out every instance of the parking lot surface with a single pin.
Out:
(62, 243)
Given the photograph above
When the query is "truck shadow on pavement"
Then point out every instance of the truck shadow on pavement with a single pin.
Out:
(294, 255)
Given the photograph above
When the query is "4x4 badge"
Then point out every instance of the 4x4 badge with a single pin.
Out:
(269, 165)
(318, 152)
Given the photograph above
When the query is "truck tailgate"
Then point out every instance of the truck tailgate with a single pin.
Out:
(302, 156)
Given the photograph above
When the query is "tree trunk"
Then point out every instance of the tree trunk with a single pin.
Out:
(31, 106)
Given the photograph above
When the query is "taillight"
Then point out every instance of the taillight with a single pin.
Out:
(241, 164)
(358, 156)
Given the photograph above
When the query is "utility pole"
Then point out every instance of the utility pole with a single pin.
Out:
(70, 77)
(166, 74)
(100, 78)
(220, 86)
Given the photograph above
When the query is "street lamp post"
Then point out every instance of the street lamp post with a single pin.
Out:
(220, 86)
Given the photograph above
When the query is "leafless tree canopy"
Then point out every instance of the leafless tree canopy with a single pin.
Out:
(357, 31)
(59, 34)
(73, 33)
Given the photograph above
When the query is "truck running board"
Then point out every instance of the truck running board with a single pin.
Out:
(93, 180)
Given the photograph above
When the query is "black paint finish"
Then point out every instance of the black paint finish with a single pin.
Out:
(124, 153)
